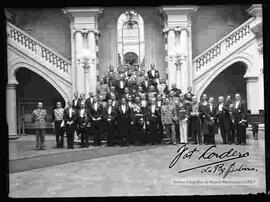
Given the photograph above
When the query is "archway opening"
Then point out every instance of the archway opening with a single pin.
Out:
(229, 82)
(130, 37)
(131, 58)
(32, 88)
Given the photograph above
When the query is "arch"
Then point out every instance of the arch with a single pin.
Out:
(218, 69)
(22, 64)
(131, 55)
(133, 43)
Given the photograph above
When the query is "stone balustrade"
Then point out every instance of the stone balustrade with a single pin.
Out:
(42, 51)
(221, 47)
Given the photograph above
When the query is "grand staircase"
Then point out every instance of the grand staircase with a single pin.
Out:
(49, 64)
(220, 53)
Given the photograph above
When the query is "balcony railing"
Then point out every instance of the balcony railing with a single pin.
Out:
(222, 46)
(34, 46)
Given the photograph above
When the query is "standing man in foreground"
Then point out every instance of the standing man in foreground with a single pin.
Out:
(39, 117)
(70, 117)
(58, 115)
(240, 122)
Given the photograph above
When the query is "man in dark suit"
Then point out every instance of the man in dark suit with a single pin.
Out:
(70, 117)
(111, 93)
(123, 120)
(176, 90)
(89, 101)
(223, 119)
(120, 86)
(240, 122)
(75, 101)
(153, 74)
(137, 122)
(82, 121)
(145, 84)
(228, 101)
(96, 118)
(153, 116)
(204, 108)
(81, 100)
(109, 116)
(211, 122)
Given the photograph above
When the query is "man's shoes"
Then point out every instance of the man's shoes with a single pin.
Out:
(37, 148)
(42, 148)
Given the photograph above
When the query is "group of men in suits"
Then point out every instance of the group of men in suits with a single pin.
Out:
(137, 108)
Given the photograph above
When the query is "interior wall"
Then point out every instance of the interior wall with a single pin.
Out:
(48, 25)
(211, 23)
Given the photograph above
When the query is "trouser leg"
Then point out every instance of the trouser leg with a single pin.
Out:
(42, 138)
(37, 133)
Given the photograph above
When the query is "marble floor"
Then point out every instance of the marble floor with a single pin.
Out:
(147, 173)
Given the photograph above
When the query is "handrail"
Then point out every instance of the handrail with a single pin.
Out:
(38, 48)
(224, 38)
(223, 45)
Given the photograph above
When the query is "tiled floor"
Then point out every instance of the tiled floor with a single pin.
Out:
(143, 173)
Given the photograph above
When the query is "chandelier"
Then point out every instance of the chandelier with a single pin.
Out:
(131, 18)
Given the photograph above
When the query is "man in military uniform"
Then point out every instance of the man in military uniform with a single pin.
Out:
(182, 112)
(39, 117)
(195, 121)
(58, 115)
(167, 114)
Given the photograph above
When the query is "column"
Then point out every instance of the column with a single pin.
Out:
(92, 78)
(179, 17)
(79, 68)
(171, 65)
(252, 101)
(11, 110)
(73, 61)
(184, 54)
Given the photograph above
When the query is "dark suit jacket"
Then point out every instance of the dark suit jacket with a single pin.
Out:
(77, 105)
(82, 121)
(223, 116)
(88, 103)
(67, 118)
(153, 116)
(106, 115)
(241, 111)
(151, 76)
(118, 87)
(96, 114)
(123, 119)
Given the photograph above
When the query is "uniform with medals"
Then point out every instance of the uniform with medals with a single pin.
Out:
(195, 123)
(39, 120)
(58, 114)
